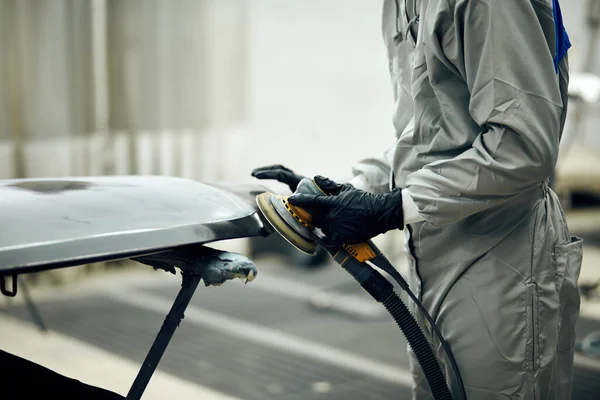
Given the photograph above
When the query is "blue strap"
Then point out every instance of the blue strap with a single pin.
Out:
(562, 38)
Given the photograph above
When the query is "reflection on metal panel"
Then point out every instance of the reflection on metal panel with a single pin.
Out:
(58, 221)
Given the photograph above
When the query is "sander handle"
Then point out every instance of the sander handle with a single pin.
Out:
(362, 252)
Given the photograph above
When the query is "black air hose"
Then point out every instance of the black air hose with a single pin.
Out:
(382, 290)
(420, 346)
(386, 266)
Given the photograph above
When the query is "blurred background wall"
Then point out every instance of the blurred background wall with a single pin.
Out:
(204, 89)
(118, 87)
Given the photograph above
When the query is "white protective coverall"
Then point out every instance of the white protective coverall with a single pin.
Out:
(480, 109)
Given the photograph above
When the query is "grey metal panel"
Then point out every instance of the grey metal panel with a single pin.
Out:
(59, 222)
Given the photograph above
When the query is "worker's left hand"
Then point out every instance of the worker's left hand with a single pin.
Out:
(349, 215)
(280, 173)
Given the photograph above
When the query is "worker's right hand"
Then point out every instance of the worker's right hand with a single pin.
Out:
(351, 215)
(280, 174)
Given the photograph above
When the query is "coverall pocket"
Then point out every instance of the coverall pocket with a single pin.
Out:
(567, 259)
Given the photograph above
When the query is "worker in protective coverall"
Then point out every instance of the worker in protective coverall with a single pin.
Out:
(481, 96)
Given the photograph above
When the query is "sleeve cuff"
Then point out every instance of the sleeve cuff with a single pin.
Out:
(410, 209)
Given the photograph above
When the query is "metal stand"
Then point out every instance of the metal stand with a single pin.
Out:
(31, 307)
(196, 262)
(189, 284)
(36, 316)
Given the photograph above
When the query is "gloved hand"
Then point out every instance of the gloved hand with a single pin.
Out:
(330, 187)
(350, 215)
(280, 174)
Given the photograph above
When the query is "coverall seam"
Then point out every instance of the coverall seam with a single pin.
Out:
(408, 34)
(521, 91)
(532, 286)
(558, 287)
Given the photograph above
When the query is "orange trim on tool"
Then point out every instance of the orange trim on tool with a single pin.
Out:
(361, 251)
(298, 213)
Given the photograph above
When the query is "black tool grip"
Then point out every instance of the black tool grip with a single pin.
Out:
(371, 280)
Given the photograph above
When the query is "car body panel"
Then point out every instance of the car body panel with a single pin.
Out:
(54, 222)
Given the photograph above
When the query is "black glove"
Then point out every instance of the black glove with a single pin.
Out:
(331, 187)
(350, 215)
(279, 173)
